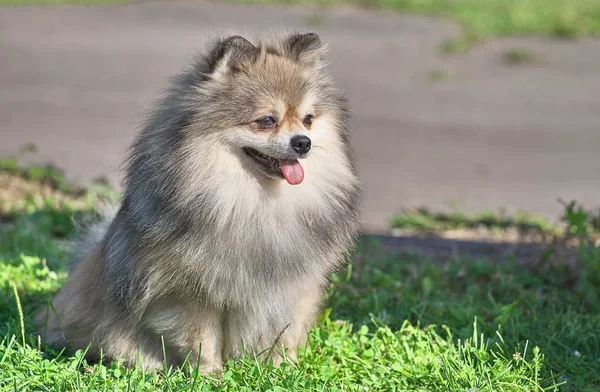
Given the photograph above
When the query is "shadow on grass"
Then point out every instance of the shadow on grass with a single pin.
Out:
(528, 292)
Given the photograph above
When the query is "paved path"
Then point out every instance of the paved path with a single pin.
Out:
(73, 79)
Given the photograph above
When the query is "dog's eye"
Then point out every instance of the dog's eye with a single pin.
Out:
(266, 122)
(308, 120)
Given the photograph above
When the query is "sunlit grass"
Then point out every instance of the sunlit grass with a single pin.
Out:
(390, 322)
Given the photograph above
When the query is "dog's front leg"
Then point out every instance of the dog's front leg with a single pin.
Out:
(306, 309)
(195, 332)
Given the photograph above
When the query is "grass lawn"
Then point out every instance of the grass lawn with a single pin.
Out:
(391, 323)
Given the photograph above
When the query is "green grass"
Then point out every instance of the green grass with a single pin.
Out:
(483, 19)
(576, 223)
(424, 220)
(391, 323)
(441, 75)
(517, 56)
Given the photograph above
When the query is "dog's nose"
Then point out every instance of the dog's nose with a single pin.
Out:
(300, 144)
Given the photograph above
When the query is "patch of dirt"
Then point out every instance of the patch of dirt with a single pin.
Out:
(16, 193)
(483, 233)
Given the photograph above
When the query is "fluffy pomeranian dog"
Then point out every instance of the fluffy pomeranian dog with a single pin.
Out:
(240, 198)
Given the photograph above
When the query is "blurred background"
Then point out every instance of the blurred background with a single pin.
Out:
(466, 105)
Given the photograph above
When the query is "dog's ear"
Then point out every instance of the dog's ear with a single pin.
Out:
(305, 48)
(231, 55)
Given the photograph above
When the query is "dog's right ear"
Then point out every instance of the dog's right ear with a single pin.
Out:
(231, 55)
(305, 48)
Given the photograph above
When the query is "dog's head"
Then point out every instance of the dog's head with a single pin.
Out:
(272, 103)
(244, 121)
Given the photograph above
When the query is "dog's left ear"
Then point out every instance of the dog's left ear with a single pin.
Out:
(305, 48)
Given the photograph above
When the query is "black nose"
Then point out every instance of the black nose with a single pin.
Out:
(300, 144)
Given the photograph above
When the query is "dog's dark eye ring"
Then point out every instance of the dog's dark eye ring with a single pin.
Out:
(266, 122)
(308, 120)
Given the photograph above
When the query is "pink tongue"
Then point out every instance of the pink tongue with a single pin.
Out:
(292, 171)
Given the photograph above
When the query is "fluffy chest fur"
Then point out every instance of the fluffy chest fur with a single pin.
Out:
(231, 237)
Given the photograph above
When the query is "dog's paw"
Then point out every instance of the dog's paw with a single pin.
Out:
(214, 370)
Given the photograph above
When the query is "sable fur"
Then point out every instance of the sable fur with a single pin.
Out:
(205, 250)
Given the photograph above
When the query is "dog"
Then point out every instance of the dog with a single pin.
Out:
(240, 198)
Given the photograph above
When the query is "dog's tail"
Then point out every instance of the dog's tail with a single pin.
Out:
(91, 232)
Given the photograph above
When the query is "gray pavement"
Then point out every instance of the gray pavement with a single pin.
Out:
(73, 79)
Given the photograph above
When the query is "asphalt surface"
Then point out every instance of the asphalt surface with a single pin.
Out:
(481, 132)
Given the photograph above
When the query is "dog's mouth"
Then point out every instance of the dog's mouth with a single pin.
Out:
(290, 169)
